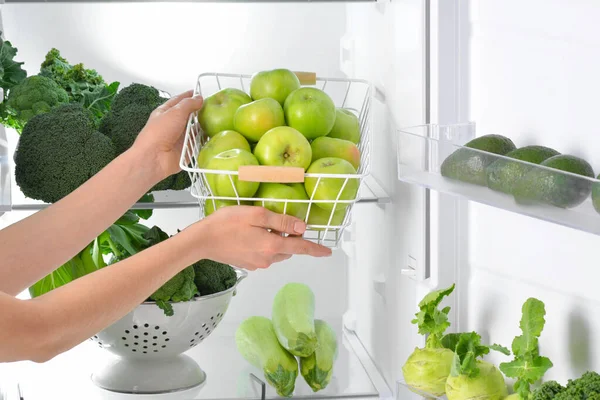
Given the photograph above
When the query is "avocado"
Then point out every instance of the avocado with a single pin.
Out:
(557, 189)
(469, 165)
(502, 174)
(596, 195)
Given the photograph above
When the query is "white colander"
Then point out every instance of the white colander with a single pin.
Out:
(149, 345)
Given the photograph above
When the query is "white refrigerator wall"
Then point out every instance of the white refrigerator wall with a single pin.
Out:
(533, 70)
(168, 45)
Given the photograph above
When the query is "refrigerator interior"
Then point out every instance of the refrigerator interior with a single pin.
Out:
(524, 70)
(359, 290)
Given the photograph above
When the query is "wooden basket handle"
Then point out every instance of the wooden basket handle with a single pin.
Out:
(306, 78)
(265, 173)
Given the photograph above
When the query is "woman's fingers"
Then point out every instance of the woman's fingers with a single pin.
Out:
(282, 223)
(175, 100)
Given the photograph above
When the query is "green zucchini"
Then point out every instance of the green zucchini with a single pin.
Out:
(293, 319)
(256, 342)
(317, 368)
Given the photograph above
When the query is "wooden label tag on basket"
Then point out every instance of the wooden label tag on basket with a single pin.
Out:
(266, 173)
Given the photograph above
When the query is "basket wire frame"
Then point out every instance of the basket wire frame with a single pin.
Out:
(350, 94)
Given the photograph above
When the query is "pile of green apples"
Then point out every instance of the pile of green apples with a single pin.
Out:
(280, 123)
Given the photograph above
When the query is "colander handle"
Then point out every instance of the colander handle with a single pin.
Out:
(241, 275)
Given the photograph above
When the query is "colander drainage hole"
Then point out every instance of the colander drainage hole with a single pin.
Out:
(154, 337)
(126, 331)
(124, 338)
(192, 341)
(135, 344)
(197, 333)
(146, 325)
(167, 339)
(135, 327)
(164, 332)
(145, 333)
(136, 337)
(157, 327)
(163, 346)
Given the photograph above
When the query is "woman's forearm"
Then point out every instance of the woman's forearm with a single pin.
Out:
(43, 327)
(42, 242)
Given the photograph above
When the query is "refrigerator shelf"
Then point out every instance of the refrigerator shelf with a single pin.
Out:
(548, 194)
(403, 390)
(228, 375)
(370, 192)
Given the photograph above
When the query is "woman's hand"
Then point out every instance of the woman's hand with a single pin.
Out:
(239, 236)
(161, 140)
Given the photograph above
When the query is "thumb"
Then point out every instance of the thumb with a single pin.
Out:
(279, 222)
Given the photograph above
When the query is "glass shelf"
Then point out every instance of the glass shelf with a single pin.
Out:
(404, 391)
(67, 376)
(544, 193)
(371, 192)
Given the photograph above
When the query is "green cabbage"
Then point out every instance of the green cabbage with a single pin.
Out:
(488, 384)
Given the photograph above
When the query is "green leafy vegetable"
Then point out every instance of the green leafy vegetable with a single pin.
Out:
(84, 86)
(471, 378)
(427, 369)
(11, 74)
(430, 320)
(528, 366)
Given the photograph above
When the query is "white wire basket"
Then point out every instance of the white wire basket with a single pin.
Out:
(350, 94)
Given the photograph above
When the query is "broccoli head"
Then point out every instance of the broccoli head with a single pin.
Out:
(35, 95)
(123, 126)
(587, 387)
(130, 111)
(179, 288)
(59, 151)
(547, 391)
(213, 277)
(137, 93)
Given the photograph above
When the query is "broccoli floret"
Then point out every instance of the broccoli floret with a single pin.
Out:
(137, 93)
(59, 151)
(181, 181)
(547, 391)
(213, 277)
(124, 125)
(587, 387)
(179, 288)
(35, 95)
(130, 111)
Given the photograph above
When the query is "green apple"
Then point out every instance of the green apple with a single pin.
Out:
(331, 147)
(346, 126)
(311, 111)
(222, 141)
(276, 84)
(283, 191)
(329, 188)
(254, 119)
(231, 160)
(209, 206)
(318, 216)
(283, 146)
(216, 114)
